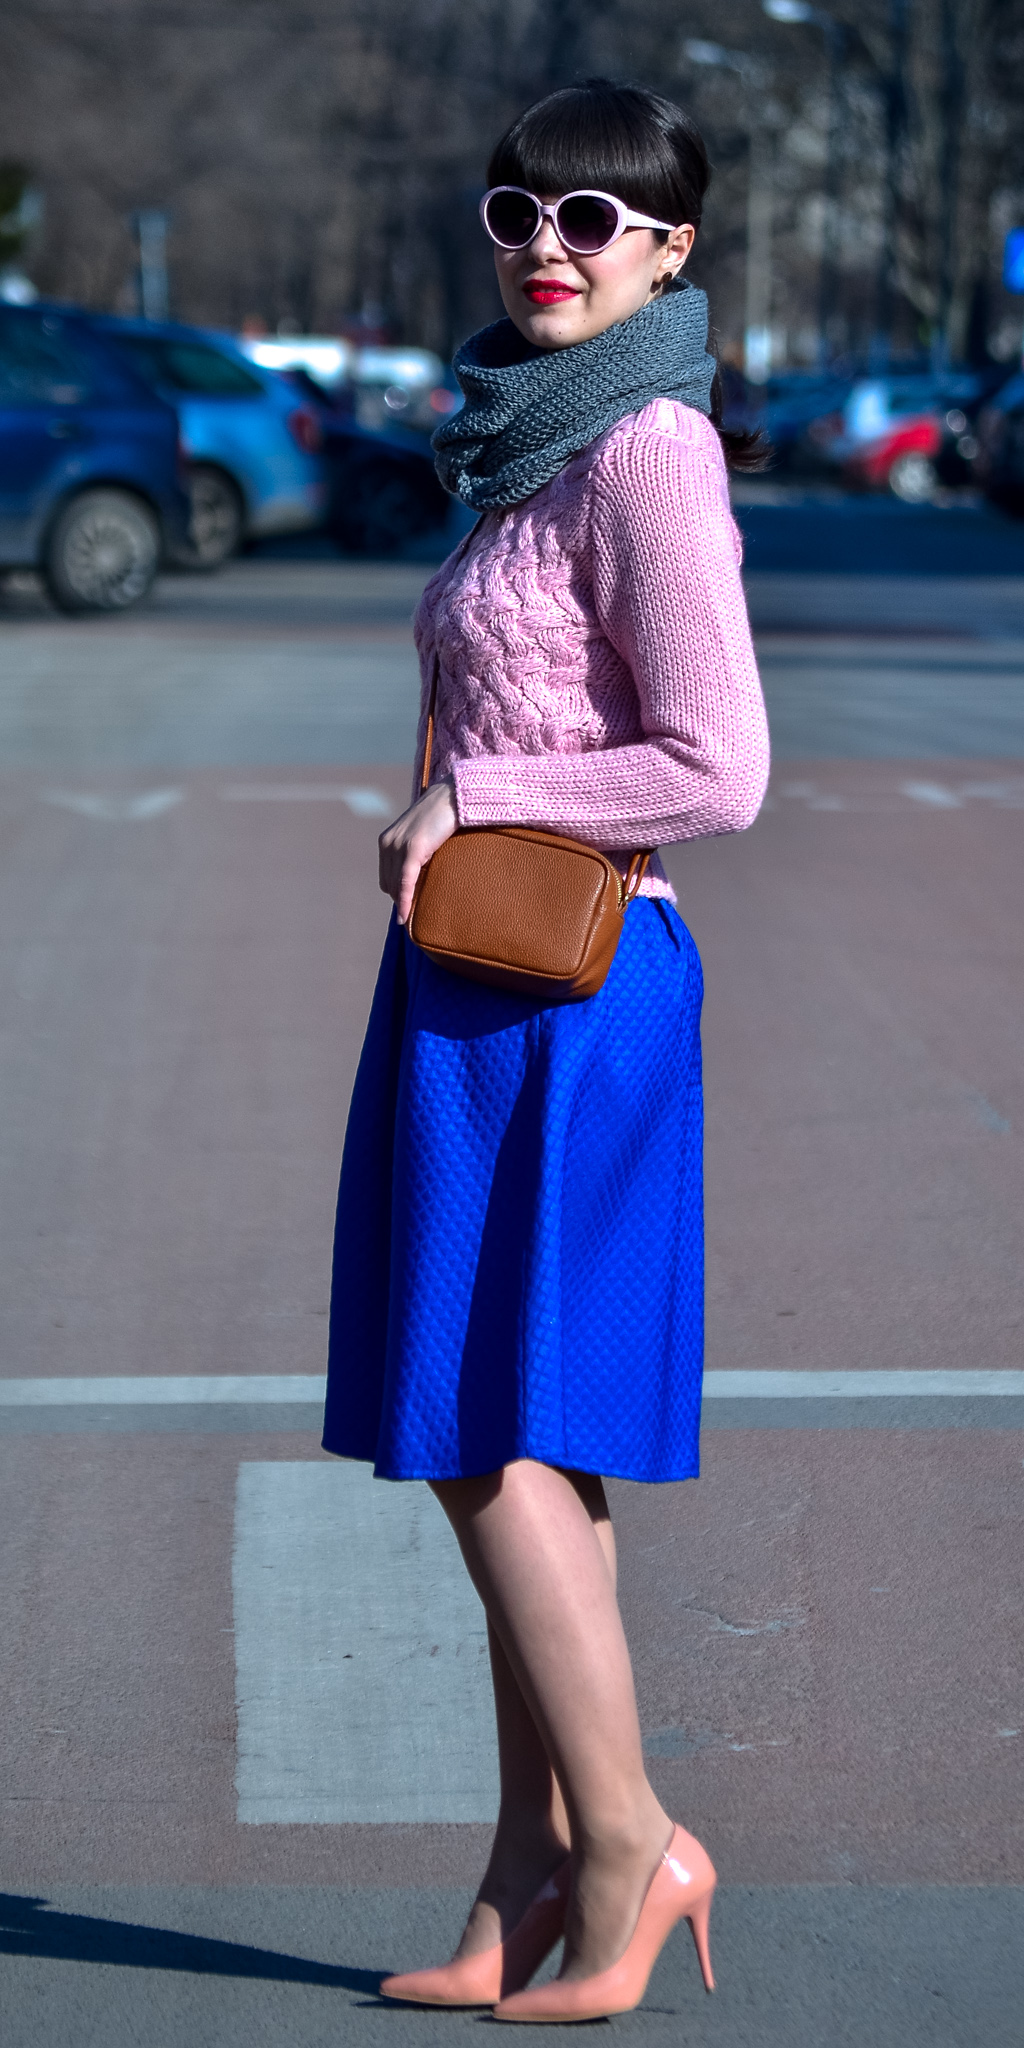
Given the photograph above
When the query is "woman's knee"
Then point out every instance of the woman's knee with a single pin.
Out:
(590, 1488)
(463, 1498)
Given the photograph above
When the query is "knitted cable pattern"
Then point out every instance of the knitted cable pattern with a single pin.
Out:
(597, 676)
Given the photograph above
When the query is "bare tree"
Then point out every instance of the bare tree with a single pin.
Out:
(319, 158)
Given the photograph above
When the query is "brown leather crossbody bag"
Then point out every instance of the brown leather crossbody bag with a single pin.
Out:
(520, 909)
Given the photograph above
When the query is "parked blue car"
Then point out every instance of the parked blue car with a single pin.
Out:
(251, 442)
(1000, 446)
(91, 490)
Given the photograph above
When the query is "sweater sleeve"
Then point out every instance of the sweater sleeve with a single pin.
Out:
(669, 597)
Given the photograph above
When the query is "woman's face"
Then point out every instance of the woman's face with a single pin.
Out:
(556, 298)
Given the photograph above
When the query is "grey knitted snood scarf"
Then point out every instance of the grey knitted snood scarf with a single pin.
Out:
(529, 410)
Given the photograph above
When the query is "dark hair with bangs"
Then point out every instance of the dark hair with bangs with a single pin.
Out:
(643, 149)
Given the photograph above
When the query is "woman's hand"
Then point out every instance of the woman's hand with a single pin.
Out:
(406, 846)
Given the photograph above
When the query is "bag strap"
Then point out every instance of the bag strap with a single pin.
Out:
(428, 743)
(635, 873)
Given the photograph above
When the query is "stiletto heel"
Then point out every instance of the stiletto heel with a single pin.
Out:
(496, 1972)
(698, 1921)
(681, 1889)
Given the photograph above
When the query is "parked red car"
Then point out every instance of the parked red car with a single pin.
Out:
(902, 459)
(891, 430)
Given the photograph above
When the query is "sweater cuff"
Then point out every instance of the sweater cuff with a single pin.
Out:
(490, 790)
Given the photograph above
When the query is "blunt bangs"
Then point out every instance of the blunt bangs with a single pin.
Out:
(620, 139)
(644, 150)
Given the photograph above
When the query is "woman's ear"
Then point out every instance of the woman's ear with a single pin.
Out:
(674, 254)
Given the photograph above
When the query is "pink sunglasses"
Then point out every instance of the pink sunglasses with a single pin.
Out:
(585, 222)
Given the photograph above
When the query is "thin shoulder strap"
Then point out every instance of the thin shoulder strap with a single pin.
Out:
(428, 744)
(634, 875)
(435, 673)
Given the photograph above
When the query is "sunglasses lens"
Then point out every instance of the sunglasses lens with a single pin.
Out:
(585, 223)
(512, 219)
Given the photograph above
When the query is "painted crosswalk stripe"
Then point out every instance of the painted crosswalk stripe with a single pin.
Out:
(254, 1389)
(866, 1385)
(163, 1389)
(118, 809)
(362, 1676)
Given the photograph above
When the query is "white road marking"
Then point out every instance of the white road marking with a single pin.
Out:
(366, 803)
(162, 1389)
(986, 1113)
(866, 1385)
(362, 1676)
(172, 1390)
(116, 810)
(934, 793)
(369, 803)
(882, 797)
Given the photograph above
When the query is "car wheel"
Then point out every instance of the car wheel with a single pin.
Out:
(380, 509)
(217, 520)
(913, 478)
(102, 553)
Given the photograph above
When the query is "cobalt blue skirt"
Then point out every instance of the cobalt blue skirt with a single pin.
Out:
(518, 1264)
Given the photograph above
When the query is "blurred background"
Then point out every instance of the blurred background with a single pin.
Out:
(319, 166)
(303, 180)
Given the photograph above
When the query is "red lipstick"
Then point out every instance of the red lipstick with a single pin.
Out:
(546, 291)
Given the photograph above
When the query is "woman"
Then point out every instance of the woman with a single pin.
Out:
(517, 1305)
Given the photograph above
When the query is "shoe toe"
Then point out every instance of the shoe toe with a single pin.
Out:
(474, 1981)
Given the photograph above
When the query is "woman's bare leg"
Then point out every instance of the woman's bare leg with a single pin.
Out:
(532, 1834)
(536, 1559)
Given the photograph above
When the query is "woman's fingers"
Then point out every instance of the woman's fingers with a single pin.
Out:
(407, 845)
(411, 871)
(392, 855)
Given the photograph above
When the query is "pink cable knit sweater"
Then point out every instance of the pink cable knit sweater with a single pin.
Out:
(597, 674)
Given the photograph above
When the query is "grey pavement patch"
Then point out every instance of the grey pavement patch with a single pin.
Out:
(798, 1966)
(154, 700)
(251, 672)
(677, 1742)
(983, 607)
(840, 702)
(820, 656)
(362, 1675)
(940, 1412)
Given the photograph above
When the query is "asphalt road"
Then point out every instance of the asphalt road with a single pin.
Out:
(246, 1762)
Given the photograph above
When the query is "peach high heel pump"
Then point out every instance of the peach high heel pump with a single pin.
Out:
(681, 1889)
(496, 1972)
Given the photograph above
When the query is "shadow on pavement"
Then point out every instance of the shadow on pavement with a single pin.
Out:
(29, 1928)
